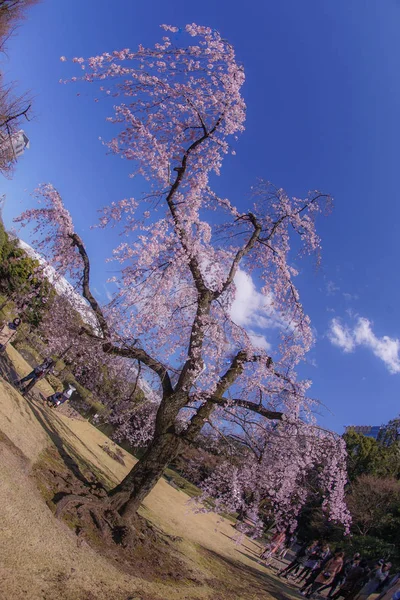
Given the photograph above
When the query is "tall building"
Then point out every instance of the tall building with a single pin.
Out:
(367, 430)
(13, 146)
(20, 142)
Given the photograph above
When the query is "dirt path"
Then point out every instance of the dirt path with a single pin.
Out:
(40, 557)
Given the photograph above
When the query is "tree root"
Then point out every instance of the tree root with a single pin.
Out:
(74, 501)
(98, 512)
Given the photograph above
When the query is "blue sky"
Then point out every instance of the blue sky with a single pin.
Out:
(322, 90)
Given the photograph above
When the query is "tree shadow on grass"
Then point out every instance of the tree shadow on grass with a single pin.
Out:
(248, 575)
(7, 370)
(254, 558)
(65, 450)
(60, 433)
(10, 375)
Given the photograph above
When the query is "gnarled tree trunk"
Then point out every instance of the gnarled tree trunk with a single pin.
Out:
(127, 496)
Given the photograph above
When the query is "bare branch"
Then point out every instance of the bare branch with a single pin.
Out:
(77, 242)
(181, 170)
(23, 113)
(133, 392)
(226, 381)
(205, 410)
(256, 408)
(242, 252)
(108, 347)
(146, 359)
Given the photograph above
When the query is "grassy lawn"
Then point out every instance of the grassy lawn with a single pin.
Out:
(41, 557)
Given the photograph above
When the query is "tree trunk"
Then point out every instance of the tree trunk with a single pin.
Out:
(127, 496)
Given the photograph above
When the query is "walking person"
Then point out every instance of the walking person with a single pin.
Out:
(290, 540)
(387, 583)
(331, 568)
(302, 554)
(359, 583)
(36, 375)
(377, 578)
(313, 563)
(340, 577)
(392, 589)
(355, 579)
(276, 542)
(326, 554)
(7, 332)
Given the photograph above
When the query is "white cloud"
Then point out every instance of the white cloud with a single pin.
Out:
(341, 336)
(248, 303)
(385, 348)
(331, 288)
(350, 297)
(253, 310)
(259, 341)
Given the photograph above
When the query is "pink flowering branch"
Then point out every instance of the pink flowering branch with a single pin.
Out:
(242, 252)
(109, 348)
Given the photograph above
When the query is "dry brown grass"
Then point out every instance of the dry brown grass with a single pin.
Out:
(40, 557)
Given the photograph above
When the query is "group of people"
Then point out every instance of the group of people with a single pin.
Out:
(318, 569)
(7, 333)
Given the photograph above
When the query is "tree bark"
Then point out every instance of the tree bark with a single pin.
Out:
(127, 496)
